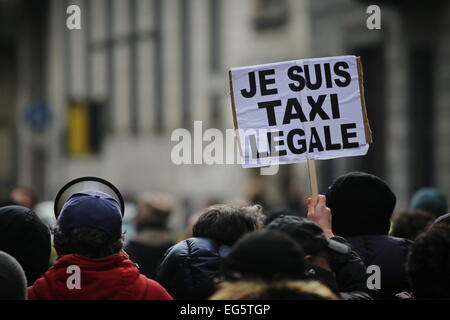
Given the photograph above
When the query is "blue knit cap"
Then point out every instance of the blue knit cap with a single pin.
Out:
(430, 200)
(91, 208)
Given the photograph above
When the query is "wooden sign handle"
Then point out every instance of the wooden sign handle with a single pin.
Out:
(313, 179)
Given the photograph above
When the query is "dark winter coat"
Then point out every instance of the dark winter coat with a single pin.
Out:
(351, 276)
(348, 277)
(189, 268)
(388, 253)
(147, 250)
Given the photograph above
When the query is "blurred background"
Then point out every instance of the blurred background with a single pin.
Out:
(104, 100)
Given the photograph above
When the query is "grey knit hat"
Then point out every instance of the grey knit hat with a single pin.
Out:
(13, 283)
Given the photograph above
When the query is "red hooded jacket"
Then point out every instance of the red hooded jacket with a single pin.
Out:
(110, 278)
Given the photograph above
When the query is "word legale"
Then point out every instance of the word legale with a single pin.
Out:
(297, 142)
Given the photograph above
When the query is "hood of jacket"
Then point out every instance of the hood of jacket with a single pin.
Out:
(111, 278)
(189, 268)
(273, 290)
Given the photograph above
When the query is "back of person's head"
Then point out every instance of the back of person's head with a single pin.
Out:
(265, 255)
(90, 224)
(361, 204)
(227, 223)
(428, 264)
(87, 242)
(153, 211)
(27, 239)
(24, 196)
(430, 200)
(13, 283)
(409, 225)
(276, 290)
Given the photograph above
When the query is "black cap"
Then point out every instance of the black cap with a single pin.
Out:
(309, 235)
(27, 239)
(265, 254)
(360, 204)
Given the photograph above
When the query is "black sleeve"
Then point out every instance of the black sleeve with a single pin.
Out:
(350, 273)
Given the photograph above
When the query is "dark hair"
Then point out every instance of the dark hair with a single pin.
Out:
(429, 263)
(409, 225)
(87, 242)
(227, 223)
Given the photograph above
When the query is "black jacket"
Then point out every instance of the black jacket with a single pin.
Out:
(147, 250)
(388, 253)
(349, 277)
(189, 268)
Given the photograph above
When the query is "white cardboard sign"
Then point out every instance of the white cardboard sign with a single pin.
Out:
(291, 111)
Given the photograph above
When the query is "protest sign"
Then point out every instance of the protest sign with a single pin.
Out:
(293, 111)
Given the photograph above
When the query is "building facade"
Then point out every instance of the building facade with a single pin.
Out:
(138, 70)
(110, 95)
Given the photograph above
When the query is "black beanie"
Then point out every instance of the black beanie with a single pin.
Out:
(13, 283)
(361, 204)
(27, 239)
(265, 254)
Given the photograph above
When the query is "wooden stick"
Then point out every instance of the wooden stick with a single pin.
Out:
(313, 179)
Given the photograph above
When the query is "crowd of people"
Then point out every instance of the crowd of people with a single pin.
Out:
(234, 251)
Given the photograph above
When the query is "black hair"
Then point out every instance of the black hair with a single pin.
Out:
(86, 241)
(429, 263)
(409, 225)
(227, 223)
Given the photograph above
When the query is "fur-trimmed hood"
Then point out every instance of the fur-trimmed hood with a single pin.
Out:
(275, 290)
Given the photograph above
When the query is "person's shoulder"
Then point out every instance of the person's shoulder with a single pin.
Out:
(379, 239)
(30, 293)
(404, 296)
(197, 246)
(155, 291)
(39, 290)
(400, 242)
